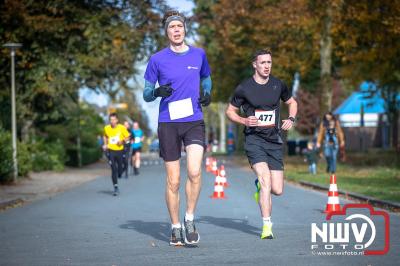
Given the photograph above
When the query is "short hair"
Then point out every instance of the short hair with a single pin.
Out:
(260, 52)
(113, 115)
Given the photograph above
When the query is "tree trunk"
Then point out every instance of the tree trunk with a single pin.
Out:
(326, 62)
(395, 131)
(78, 138)
(25, 130)
(390, 96)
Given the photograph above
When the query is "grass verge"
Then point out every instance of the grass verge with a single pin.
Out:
(381, 182)
(370, 174)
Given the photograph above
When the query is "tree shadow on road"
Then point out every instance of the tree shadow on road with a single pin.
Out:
(236, 224)
(157, 230)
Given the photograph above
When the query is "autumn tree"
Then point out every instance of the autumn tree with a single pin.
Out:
(70, 45)
(232, 30)
(327, 42)
(367, 42)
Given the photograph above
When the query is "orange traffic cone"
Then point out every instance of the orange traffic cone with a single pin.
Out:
(222, 175)
(214, 167)
(208, 163)
(333, 196)
(219, 179)
(218, 190)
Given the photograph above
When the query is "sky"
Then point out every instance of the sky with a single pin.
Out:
(150, 108)
(181, 5)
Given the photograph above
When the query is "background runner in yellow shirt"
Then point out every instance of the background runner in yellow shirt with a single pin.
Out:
(115, 136)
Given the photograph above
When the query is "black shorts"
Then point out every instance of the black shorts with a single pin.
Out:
(172, 134)
(135, 150)
(259, 150)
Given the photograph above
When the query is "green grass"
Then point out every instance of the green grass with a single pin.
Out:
(381, 182)
(375, 174)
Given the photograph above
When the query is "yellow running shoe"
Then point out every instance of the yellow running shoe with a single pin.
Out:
(267, 232)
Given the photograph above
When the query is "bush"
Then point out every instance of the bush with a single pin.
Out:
(91, 155)
(48, 156)
(6, 161)
(24, 159)
(6, 164)
(88, 155)
(90, 127)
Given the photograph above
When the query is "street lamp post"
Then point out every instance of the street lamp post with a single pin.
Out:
(13, 47)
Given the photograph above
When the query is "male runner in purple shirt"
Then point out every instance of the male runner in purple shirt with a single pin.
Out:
(180, 70)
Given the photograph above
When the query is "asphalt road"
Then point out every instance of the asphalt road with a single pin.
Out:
(88, 226)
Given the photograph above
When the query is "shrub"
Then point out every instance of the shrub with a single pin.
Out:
(6, 161)
(6, 164)
(90, 127)
(48, 156)
(24, 159)
(88, 155)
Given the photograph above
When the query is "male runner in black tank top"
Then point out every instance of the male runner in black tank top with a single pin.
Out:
(259, 97)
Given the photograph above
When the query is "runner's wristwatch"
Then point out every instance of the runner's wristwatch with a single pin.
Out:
(291, 118)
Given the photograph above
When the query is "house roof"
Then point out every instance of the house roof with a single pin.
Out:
(352, 105)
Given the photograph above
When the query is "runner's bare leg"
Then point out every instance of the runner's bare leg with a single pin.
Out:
(172, 190)
(193, 184)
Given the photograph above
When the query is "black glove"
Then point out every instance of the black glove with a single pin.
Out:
(205, 99)
(163, 91)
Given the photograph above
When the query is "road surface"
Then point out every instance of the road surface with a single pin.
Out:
(88, 226)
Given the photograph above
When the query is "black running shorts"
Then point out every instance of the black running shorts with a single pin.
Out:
(259, 150)
(135, 150)
(172, 134)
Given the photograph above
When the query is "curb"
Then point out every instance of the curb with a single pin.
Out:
(11, 204)
(394, 206)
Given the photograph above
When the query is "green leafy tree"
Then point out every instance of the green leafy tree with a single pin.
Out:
(69, 45)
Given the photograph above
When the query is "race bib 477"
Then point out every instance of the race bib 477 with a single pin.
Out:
(265, 118)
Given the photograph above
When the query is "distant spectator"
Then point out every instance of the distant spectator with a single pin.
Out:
(330, 134)
(100, 141)
(311, 154)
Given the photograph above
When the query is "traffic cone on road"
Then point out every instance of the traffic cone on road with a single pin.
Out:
(214, 167)
(222, 175)
(218, 189)
(333, 196)
(208, 163)
(219, 179)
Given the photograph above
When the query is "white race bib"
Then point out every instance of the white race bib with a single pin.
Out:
(265, 118)
(180, 109)
(137, 139)
(114, 140)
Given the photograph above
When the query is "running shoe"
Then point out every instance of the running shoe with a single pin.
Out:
(176, 237)
(267, 232)
(191, 235)
(257, 194)
(116, 191)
